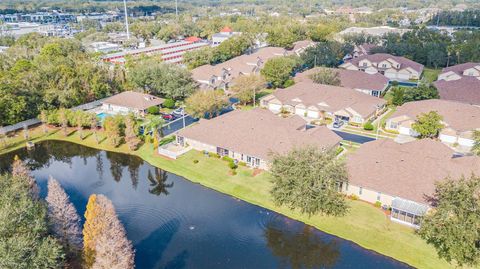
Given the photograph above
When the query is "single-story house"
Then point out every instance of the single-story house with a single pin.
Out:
(314, 101)
(460, 83)
(393, 67)
(372, 84)
(251, 136)
(403, 176)
(460, 119)
(130, 102)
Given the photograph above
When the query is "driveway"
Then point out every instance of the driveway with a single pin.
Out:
(176, 125)
(360, 139)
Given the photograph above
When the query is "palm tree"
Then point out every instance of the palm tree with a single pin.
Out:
(158, 182)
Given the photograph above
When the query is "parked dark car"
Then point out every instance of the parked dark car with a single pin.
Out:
(338, 124)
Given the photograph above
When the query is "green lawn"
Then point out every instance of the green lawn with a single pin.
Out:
(364, 224)
(430, 75)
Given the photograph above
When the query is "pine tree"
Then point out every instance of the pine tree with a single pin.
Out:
(64, 217)
(113, 249)
(20, 170)
(91, 230)
(93, 127)
(105, 241)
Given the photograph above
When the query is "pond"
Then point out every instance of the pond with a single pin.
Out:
(174, 223)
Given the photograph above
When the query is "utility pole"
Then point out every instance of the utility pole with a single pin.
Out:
(126, 18)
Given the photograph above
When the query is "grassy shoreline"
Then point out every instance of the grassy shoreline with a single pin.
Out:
(365, 225)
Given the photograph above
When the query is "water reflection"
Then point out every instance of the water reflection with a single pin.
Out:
(158, 182)
(174, 223)
(303, 249)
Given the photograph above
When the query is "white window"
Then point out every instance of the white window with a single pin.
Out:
(379, 196)
(360, 190)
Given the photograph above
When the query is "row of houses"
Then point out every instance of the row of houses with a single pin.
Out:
(400, 176)
(221, 76)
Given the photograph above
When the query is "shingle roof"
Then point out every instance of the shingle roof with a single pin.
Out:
(378, 57)
(328, 98)
(259, 132)
(352, 79)
(134, 100)
(407, 170)
(458, 116)
(459, 68)
(237, 65)
(466, 90)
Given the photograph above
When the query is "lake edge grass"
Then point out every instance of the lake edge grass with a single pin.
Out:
(364, 225)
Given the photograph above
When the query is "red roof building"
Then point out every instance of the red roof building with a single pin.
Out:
(226, 29)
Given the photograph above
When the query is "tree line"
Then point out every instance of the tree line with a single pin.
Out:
(48, 234)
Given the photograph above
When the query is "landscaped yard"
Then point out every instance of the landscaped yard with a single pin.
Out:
(430, 75)
(364, 224)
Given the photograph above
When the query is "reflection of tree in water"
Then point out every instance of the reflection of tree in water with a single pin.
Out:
(301, 249)
(117, 163)
(99, 165)
(133, 167)
(159, 182)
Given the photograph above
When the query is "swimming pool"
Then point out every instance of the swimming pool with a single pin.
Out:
(102, 116)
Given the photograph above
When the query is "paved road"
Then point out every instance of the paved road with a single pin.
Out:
(177, 124)
(354, 137)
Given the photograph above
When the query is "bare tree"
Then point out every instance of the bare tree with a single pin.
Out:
(62, 114)
(43, 119)
(64, 217)
(93, 127)
(20, 170)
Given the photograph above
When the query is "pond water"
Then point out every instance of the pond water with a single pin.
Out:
(174, 223)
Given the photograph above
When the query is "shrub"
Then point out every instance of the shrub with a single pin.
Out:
(354, 197)
(242, 163)
(368, 126)
(226, 158)
(195, 161)
(153, 110)
(288, 83)
(211, 154)
(232, 165)
(378, 204)
(233, 171)
(166, 140)
(168, 103)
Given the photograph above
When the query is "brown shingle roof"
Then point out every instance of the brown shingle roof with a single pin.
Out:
(259, 132)
(459, 68)
(407, 170)
(134, 100)
(237, 65)
(328, 98)
(458, 116)
(465, 90)
(378, 57)
(352, 79)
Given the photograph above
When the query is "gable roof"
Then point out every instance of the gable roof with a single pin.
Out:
(378, 57)
(259, 132)
(465, 90)
(459, 68)
(241, 64)
(134, 100)
(328, 98)
(352, 79)
(458, 116)
(407, 170)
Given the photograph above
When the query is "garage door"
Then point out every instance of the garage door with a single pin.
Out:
(404, 130)
(313, 114)
(465, 142)
(448, 138)
(300, 111)
(274, 107)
